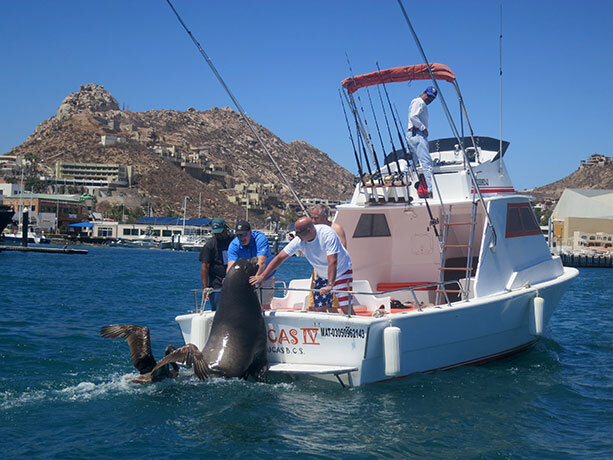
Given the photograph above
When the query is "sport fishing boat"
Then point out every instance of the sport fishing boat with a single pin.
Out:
(463, 277)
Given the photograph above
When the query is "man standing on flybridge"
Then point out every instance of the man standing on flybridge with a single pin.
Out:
(417, 139)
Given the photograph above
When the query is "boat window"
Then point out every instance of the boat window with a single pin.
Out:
(521, 220)
(371, 225)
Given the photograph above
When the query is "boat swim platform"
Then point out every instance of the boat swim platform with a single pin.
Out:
(311, 369)
(44, 250)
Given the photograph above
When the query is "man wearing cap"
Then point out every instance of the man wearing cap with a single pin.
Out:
(417, 139)
(253, 243)
(214, 258)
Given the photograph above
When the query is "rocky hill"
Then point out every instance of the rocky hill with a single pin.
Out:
(220, 135)
(586, 177)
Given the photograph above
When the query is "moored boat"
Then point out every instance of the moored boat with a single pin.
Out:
(462, 277)
(6, 216)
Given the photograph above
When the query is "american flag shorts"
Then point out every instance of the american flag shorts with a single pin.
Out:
(343, 283)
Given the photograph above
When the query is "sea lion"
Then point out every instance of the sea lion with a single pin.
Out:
(139, 340)
(236, 346)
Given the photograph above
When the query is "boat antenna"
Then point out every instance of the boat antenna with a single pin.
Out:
(500, 148)
(355, 153)
(237, 105)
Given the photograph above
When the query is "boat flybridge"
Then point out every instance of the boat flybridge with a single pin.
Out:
(463, 277)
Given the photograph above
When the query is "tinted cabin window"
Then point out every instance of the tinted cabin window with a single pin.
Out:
(521, 220)
(371, 225)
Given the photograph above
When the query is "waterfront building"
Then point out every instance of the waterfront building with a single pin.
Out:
(48, 211)
(154, 227)
(580, 215)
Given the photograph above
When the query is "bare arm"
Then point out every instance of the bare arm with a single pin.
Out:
(272, 266)
(332, 264)
(230, 263)
(261, 264)
(204, 274)
(341, 233)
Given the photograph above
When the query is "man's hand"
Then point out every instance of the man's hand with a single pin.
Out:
(256, 279)
(325, 290)
(425, 132)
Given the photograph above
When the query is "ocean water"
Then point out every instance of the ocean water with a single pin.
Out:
(64, 391)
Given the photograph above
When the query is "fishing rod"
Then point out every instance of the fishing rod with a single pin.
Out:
(379, 132)
(389, 131)
(372, 108)
(404, 148)
(355, 153)
(360, 135)
(237, 105)
(362, 142)
(363, 127)
(399, 119)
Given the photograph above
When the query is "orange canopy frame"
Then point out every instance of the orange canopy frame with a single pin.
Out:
(398, 74)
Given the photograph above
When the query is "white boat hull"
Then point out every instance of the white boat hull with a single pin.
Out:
(439, 337)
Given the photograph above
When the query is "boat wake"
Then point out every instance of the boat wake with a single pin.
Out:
(121, 384)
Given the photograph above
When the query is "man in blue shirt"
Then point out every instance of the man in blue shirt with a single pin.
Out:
(252, 243)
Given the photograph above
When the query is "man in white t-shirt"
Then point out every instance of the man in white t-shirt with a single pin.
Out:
(417, 139)
(324, 251)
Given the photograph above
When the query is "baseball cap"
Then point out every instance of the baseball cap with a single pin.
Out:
(431, 91)
(242, 226)
(218, 225)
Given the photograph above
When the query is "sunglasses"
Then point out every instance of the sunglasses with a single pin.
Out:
(242, 235)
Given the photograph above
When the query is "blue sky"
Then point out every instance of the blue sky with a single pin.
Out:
(284, 61)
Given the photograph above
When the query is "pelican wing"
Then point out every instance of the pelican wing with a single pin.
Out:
(188, 354)
(139, 341)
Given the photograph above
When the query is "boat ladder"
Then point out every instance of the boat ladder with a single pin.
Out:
(463, 289)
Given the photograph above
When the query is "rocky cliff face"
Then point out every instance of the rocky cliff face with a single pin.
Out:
(589, 177)
(219, 134)
(91, 98)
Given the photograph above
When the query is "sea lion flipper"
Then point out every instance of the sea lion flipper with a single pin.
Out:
(259, 368)
(188, 354)
(138, 339)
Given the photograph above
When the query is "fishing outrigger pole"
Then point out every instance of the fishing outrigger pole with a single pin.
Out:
(238, 106)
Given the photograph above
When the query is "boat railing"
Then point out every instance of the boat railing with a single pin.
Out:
(201, 295)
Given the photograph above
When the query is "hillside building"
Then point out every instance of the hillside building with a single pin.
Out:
(7, 189)
(111, 140)
(256, 196)
(595, 160)
(92, 175)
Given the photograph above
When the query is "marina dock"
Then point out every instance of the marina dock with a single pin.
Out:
(587, 260)
(46, 250)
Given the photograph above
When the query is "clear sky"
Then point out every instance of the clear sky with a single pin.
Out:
(284, 61)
